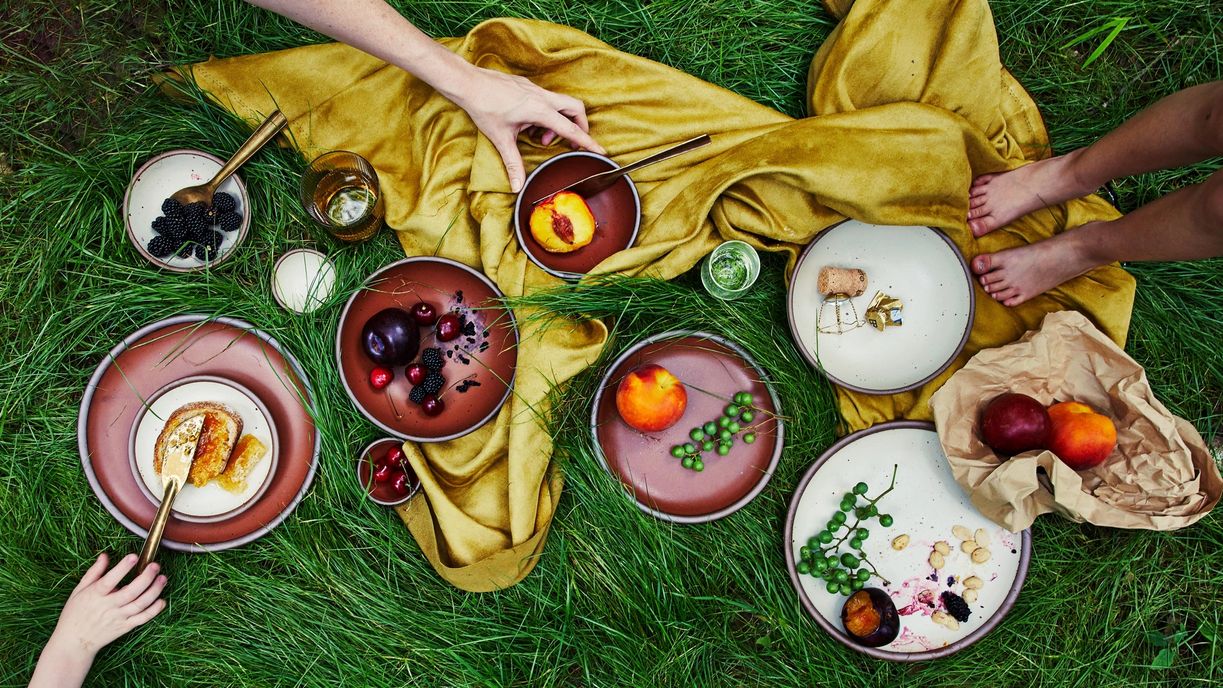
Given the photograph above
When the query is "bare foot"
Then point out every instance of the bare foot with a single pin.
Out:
(1017, 274)
(996, 200)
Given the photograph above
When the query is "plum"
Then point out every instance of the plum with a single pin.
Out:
(390, 337)
(1014, 423)
(870, 617)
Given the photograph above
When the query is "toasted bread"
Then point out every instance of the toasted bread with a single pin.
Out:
(247, 455)
(221, 429)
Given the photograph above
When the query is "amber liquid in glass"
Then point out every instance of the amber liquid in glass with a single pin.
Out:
(348, 202)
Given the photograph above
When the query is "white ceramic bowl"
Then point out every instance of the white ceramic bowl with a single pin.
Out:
(160, 177)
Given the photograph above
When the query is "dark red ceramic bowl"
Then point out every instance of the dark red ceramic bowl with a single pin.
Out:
(617, 213)
(170, 350)
(383, 493)
(713, 370)
(479, 367)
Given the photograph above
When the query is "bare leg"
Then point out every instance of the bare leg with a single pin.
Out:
(1184, 225)
(1181, 129)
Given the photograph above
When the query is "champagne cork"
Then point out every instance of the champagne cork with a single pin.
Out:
(848, 281)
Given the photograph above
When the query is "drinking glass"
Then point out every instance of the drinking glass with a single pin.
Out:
(340, 191)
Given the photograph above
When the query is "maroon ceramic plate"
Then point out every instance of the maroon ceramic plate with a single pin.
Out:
(617, 212)
(713, 370)
(927, 505)
(187, 346)
(479, 364)
(381, 493)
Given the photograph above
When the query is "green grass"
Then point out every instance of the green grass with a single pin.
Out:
(340, 594)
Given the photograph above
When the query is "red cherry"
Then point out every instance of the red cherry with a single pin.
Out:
(424, 314)
(449, 326)
(383, 473)
(379, 377)
(394, 457)
(400, 485)
(416, 373)
(431, 405)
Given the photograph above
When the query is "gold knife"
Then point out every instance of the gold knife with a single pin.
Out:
(174, 470)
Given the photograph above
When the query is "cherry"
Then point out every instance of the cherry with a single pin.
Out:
(424, 314)
(432, 406)
(380, 377)
(383, 473)
(394, 457)
(400, 485)
(416, 373)
(449, 326)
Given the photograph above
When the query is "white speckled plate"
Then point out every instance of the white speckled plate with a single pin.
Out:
(210, 502)
(918, 265)
(925, 505)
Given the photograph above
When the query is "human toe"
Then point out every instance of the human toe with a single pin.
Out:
(981, 264)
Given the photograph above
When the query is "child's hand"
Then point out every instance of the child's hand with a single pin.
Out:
(96, 612)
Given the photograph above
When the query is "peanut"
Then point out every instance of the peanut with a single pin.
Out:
(973, 583)
(980, 555)
(942, 547)
(937, 561)
(961, 532)
(981, 537)
(968, 546)
(970, 595)
(900, 542)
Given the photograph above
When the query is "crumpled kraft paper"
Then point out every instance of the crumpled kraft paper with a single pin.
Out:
(1161, 476)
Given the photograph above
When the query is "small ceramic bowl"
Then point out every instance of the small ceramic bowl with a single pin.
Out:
(617, 213)
(160, 177)
(383, 493)
(302, 280)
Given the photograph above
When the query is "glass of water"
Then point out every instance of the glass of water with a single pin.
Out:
(340, 191)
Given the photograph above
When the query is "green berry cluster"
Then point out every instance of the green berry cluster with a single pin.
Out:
(718, 435)
(845, 572)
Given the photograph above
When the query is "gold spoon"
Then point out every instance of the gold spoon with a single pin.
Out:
(202, 193)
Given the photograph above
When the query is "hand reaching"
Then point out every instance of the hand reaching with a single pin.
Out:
(504, 105)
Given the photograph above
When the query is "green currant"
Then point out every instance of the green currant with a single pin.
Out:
(848, 560)
(677, 451)
(707, 445)
(698, 465)
(841, 576)
(710, 428)
(861, 488)
(689, 448)
(748, 438)
(833, 588)
(723, 449)
(824, 537)
(863, 575)
(697, 434)
(871, 510)
(885, 520)
(803, 568)
(839, 517)
(856, 585)
(731, 411)
(747, 416)
(687, 462)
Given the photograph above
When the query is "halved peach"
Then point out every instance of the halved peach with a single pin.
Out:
(563, 223)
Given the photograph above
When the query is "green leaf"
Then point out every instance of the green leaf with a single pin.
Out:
(1117, 25)
(1164, 659)
(1157, 639)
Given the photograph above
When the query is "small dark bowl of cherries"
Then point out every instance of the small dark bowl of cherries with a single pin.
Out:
(383, 472)
(391, 338)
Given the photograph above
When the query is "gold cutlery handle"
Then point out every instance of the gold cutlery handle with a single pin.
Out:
(264, 133)
(158, 527)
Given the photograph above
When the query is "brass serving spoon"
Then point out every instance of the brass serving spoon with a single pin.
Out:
(174, 470)
(202, 193)
(597, 182)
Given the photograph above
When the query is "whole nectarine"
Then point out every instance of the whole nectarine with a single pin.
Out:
(650, 398)
(563, 223)
(1080, 437)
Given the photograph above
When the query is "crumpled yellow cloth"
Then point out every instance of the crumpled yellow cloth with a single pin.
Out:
(910, 103)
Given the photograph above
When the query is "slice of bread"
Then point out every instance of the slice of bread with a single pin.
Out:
(249, 452)
(221, 429)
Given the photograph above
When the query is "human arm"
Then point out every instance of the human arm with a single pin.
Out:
(501, 105)
(97, 612)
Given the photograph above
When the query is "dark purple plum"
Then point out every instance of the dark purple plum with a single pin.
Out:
(870, 617)
(390, 337)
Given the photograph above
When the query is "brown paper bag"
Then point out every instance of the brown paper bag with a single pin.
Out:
(1160, 477)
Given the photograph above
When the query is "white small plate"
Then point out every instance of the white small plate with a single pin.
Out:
(925, 505)
(918, 265)
(210, 502)
(302, 280)
(160, 177)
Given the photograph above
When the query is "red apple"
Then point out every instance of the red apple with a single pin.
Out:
(1014, 423)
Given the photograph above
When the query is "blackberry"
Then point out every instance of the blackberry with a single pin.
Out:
(229, 221)
(160, 224)
(432, 359)
(207, 248)
(186, 249)
(199, 234)
(194, 214)
(171, 208)
(417, 394)
(210, 215)
(161, 246)
(224, 203)
(433, 383)
(956, 606)
(175, 229)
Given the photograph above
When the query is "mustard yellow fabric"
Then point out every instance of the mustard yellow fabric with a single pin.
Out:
(910, 103)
